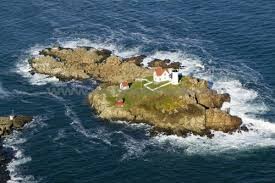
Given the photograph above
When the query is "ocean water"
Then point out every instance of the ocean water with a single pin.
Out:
(232, 42)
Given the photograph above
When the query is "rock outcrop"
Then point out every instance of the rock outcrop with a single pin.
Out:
(84, 63)
(190, 106)
(164, 64)
(7, 125)
(221, 121)
(173, 110)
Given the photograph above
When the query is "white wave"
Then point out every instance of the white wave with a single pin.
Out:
(133, 125)
(16, 142)
(98, 134)
(242, 99)
(19, 159)
(80, 84)
(117, 50)
(135, 148)
(3, 92)
(19, 92)
(23, 68)
(256, 138)
(60, 135)
(191, 63)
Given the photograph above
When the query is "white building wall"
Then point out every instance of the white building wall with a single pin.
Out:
(175, 78)
(163, 77)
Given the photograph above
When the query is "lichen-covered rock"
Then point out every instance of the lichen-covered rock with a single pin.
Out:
(7, 125)
(83, 63)
(116, 71)
(211, 99)
(221, 121)
(194, 83)
(178, 113)
(107, 110)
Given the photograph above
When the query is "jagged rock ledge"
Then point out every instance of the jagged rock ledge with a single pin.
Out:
(191, 106)
(7, 125)
(84, 63)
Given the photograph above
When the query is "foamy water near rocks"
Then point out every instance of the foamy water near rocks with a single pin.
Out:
(7, 125)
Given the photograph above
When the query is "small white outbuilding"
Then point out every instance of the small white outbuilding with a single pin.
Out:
(124, 85)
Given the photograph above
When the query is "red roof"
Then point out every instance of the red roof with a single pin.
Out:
(119, 103)
(124, 83)
(159, 71)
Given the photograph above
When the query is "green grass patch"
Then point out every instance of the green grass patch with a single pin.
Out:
(150, 78)
(166, 98)
(137, 85)
(111, 100)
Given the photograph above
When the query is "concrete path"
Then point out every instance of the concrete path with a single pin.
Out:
(150, 82)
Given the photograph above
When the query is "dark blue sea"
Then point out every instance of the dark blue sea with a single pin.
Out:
(232, 41)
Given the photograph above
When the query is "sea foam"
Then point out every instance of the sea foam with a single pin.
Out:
(3, 92)
(16, 142)
(23, 68)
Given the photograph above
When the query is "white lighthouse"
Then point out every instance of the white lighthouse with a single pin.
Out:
(175, 77)
(12, 115)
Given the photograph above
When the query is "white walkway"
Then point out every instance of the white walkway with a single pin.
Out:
(150, 82)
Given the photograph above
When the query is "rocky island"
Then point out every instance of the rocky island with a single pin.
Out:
(158, 95)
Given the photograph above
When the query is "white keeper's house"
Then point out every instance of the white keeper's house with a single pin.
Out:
(162, 74)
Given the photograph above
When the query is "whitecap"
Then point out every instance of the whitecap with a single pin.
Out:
(135, 148)
(23, 68)
(117, 50)
(98, 134)
(16, 142)
(3, 92)
(60, 135)
(133, 125)
(190, 62)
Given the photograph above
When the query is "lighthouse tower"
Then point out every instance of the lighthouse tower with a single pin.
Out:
(175, 77)
(12, 115)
